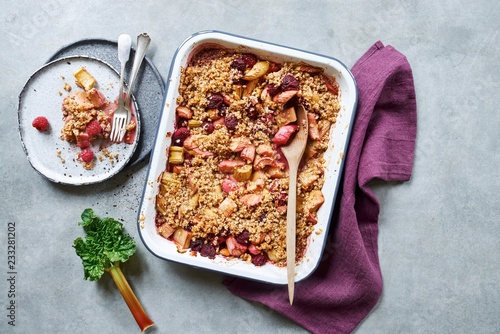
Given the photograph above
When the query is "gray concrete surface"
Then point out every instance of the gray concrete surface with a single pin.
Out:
(439, 233)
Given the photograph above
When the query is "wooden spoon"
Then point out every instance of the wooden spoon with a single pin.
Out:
(293, 153)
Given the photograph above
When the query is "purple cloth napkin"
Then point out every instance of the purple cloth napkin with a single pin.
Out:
(348, 282)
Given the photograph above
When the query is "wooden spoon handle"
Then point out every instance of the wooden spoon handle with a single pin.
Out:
(291, 217)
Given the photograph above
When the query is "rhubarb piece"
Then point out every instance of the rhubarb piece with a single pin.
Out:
(262, 162)
(287, 116)
(224, 252)
(194, 123)
(182, 237)
(84, 79)
(285, 96)
(251, 199)
(275, 172)
(248, 153)
(96, 98)
(166, 230)
(310, 69)
(237, 144)
(242, 173)
(313, 127)
(252, 249)
(265, 150)
(315, 200)
(250, 86)
(176, 155)
(283, 135)
(191, 144)
(228, 207)
(184, 112)
(229, 185)
(234, 247)
(331, 84)
(228, 166)
(259, 69)
(272, 255)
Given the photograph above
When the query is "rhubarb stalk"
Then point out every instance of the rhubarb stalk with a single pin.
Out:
(104, 247)
(128, 295)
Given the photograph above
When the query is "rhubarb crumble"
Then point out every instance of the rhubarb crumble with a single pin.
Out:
(225, 186)
(88, 118)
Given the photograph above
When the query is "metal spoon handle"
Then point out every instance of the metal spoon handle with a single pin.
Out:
(143, 41)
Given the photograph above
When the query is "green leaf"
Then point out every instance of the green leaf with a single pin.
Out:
(104, 244)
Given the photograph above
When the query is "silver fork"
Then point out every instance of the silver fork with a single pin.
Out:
(120, 114)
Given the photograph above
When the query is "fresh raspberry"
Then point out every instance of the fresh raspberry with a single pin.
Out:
(93, 129)
(86, 155)
(41, 123)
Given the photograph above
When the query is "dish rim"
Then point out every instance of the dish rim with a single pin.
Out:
(215, 34)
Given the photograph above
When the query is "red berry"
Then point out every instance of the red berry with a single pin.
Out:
(40, 123)
(180, 136)
(231, 122)
(289, 82)
(259, 259)
(93, 129)
(215, 101)
(86, 155)
(208, 127)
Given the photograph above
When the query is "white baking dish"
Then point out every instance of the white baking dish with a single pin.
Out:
(339, 137)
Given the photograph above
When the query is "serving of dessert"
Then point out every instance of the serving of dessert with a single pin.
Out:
(65, 117)
(88, 117)
(224, 189)
(217, 197)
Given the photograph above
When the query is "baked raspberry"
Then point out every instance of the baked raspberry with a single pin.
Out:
(180, 136)
(208, 250)
(243, 238)
(215, 101)
(272, 89)
(41, 123)
(289, 82)
(259, 259)
(86, 155)
(231, 122)
(239, 64)
(93, 129)
(196, 245)
(208, 127)
(249, 59)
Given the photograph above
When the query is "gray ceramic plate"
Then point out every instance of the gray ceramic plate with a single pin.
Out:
(149, 87)
(53, 157)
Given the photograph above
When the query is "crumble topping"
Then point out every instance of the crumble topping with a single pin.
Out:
(225, 186)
